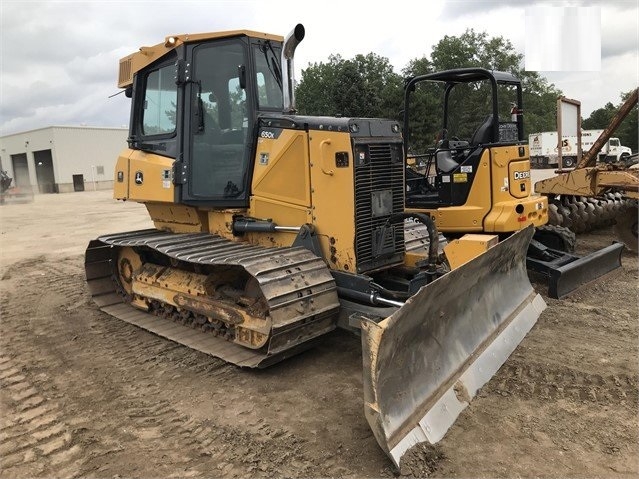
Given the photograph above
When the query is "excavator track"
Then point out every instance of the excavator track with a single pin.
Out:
(556, 237)
(416, 238)
(297, 295)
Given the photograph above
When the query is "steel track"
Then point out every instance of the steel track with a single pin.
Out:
(297, 285)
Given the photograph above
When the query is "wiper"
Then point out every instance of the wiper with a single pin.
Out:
(273, 64)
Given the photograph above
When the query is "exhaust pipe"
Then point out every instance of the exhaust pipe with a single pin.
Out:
(288, 73)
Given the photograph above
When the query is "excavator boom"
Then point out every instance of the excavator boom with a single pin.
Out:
(590, 158)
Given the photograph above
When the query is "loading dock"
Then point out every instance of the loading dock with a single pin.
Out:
(20, 170)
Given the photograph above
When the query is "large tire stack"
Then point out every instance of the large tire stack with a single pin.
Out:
(582, 214)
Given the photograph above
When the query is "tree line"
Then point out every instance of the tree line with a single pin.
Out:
(367, 86)
(627, 132)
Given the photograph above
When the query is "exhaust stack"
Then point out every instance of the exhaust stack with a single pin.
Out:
(288, 72)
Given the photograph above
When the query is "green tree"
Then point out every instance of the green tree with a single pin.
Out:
(364, 86)
(600, 117)
(473, 49)
(540, 103)
(314, 93)
(627, 132)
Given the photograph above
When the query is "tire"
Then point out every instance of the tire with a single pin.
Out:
(568, 162)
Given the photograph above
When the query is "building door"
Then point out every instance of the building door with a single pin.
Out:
(44, 171)
(78, 182)
(20, 170)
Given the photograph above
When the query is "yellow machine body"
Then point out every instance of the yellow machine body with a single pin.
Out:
(500, 199)
(285, 189)
(293, 192)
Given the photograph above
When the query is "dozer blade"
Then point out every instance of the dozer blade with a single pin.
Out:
(566, 272)
(425, 362)
(571, 276)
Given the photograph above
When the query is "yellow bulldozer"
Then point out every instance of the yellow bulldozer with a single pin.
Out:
(272, 229)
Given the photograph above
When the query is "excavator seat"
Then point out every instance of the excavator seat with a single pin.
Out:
(484, 133)
(444, 161)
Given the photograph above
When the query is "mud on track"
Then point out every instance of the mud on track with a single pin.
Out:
(83, 394)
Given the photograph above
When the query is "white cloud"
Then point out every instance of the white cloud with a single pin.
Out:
(595, 89)
(619, 31)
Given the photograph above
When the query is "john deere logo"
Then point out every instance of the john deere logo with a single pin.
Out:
(139, 178)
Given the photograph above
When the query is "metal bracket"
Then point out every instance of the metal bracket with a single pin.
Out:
(307, 238)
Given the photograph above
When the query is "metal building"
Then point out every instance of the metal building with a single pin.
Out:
(62, 159)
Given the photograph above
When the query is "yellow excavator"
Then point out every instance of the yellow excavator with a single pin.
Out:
(273, 229)
(476, 178)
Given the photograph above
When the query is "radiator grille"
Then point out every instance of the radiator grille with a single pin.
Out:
(379, 194)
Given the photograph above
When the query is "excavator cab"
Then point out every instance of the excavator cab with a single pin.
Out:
(476, 110)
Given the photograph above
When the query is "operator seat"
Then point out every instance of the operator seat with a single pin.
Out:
(483, 134)
(444, 161)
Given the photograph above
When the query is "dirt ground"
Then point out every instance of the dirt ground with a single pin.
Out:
(85, 395)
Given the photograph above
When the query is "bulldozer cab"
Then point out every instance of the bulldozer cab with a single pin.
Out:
(198, 104)
(450, 119)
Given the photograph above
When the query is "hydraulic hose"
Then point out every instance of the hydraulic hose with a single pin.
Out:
(433, 235)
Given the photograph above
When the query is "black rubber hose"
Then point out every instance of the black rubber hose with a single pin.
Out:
(433, 235)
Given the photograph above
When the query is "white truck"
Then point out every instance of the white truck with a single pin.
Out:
(544, 147)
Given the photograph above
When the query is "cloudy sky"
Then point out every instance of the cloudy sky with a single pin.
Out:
(59, 59)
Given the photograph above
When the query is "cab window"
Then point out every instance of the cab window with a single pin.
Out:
(268, 76)
(159, 115)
